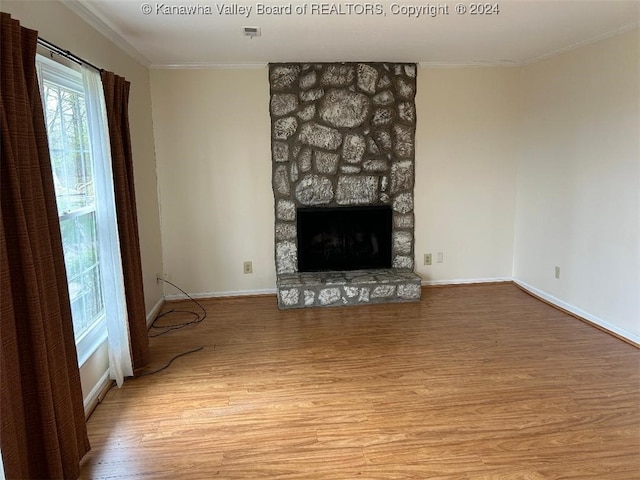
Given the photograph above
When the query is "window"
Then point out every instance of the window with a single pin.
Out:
(63, 97)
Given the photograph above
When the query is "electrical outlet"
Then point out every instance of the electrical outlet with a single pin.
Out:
(427, 259)
(161, 276)
(557, 272)
(247, 267)
(439, 257)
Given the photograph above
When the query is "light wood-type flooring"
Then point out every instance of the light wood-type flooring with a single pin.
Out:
(473, 382)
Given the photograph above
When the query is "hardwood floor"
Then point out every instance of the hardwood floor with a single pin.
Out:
(474, 382)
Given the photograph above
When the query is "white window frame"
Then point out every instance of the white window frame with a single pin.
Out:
(66, 74)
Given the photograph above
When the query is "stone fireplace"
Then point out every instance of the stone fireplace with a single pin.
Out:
(343, 146)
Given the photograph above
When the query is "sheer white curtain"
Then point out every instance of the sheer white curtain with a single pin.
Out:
(110, 260)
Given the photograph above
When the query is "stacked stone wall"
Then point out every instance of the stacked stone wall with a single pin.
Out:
(343, 134)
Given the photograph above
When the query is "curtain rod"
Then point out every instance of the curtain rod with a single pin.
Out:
(66, 53)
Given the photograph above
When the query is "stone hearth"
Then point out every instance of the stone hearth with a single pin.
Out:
(326, 289)
(343, 135)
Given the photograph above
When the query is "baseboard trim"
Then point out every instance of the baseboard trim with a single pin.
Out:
(103, 385)
(151, 316)
(96, 394)
(581, 315)
(239, 293)
(465, 281)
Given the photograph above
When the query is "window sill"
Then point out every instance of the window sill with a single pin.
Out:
(91, 340)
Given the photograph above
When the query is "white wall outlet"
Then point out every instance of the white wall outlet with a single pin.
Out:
(557, 272)
(161, 276)
(247, 267)
(427, 259)
(439, 257)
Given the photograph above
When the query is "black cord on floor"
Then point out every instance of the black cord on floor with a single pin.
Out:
(170, 362)
(169, 328)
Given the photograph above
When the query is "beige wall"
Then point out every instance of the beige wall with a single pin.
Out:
(579, 181)
(214, 171)
(213, 152)
(57, 24)
(466, 159)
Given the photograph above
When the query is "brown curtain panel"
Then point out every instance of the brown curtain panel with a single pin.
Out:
(116, 92)
(43, 425)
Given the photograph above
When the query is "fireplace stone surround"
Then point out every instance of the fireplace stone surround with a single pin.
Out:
(343, 134)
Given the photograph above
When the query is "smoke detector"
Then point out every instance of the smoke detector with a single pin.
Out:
(251, 32)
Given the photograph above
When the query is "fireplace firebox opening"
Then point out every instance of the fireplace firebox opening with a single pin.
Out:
(344, 238)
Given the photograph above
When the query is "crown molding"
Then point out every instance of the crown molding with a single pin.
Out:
(208, 66)
(520, 63)
(502, 63)
(583, 43)
(105, 28)
(260, 65)
(257, 66)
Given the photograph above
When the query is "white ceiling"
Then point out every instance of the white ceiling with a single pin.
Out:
(522, 32)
